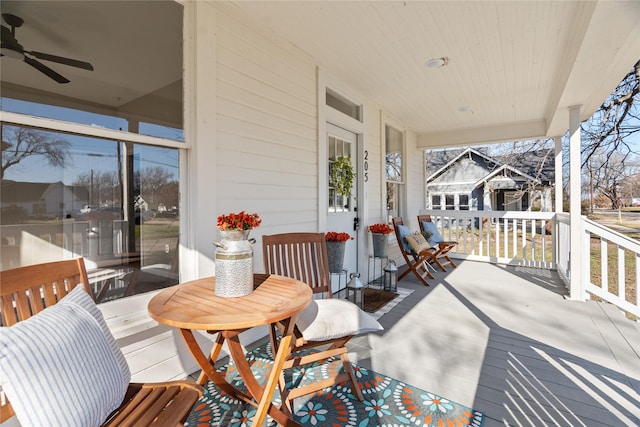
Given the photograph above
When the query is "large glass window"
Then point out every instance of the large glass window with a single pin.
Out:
(394, 143)
(70, 189)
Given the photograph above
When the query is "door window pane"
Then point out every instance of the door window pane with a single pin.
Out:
(339, 152)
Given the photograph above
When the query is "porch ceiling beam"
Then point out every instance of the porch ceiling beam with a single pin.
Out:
(599, 59)
(481, 135)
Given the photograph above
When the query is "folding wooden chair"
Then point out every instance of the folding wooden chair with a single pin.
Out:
(303, 256)
(441, 258)
(417, 263)
(25, 294)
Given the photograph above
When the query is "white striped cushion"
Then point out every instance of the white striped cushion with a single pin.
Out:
(62, 366)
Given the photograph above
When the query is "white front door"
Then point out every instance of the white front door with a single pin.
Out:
(342, 215)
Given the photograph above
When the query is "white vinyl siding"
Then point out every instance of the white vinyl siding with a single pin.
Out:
(266, 135)
(265, 159)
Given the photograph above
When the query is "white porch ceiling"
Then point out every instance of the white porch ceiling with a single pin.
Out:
(515, 66)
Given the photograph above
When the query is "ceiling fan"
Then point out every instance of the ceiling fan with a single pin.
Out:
(12, 49)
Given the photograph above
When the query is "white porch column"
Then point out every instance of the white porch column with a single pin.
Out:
(198, 195)
(558, 180)
(575, 197)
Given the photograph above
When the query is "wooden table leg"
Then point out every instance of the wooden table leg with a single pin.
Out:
(215, 352)
(207, 366)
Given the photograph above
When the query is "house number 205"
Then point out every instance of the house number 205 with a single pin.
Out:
(366, 166)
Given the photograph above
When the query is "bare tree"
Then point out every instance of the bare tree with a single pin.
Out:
(608, 158)
(150, 180)
(18, 143)
(610, 128)
(608, 181)
(103, 186)
(169, 194)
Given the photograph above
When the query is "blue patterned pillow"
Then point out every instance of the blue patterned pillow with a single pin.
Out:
(404, 231)
(430, 227)
(58, 368)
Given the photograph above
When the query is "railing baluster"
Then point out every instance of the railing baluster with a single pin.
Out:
(514, 238)
(621, 273)
(533, 241)
(604, 265)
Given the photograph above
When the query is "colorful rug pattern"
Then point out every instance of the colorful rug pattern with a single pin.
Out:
(387, 402)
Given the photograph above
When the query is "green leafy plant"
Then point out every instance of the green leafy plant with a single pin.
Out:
(342, 176)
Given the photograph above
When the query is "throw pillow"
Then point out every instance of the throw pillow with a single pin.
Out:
(430, 227)
(58, 368)
(331, 318)
(418, 243)
(404, 231)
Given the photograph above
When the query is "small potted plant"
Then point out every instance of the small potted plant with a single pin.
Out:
(234, 254)
(379, 234)
(336, 243)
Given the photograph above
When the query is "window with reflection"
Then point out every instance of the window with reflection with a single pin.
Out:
(394, 143)
(463, 200)
(67, 190)
(435, 201)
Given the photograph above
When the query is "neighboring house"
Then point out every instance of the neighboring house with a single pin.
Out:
(43, 199)
(471, 180)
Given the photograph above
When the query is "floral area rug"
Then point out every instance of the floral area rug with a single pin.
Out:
(387, 402)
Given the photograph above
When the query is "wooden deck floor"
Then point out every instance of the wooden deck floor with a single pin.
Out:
(508, 342)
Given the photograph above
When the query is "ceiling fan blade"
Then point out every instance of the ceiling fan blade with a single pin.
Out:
(46, 70)
(59, 59)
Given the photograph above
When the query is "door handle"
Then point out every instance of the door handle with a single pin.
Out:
(356, 223)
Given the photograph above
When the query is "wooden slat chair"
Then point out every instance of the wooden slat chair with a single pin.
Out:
(417, 263)
(441, 257)
(27, 291)
(303, 256)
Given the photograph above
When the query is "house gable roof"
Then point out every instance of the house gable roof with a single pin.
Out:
(535, 166)
(444, 167)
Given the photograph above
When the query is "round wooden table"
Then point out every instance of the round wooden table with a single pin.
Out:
(194, 306)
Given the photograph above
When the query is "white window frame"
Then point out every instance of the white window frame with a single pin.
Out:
(385, 121)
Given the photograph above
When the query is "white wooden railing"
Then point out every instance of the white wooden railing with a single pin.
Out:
(542, 239)
(617, 283)
(504, 237)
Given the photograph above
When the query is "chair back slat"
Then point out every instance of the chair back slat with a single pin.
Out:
(396, 221)
(28, 290)
(302, 256)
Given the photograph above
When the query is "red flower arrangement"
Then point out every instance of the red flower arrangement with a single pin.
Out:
(380, 229)
(239, 221)
(332, 236)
